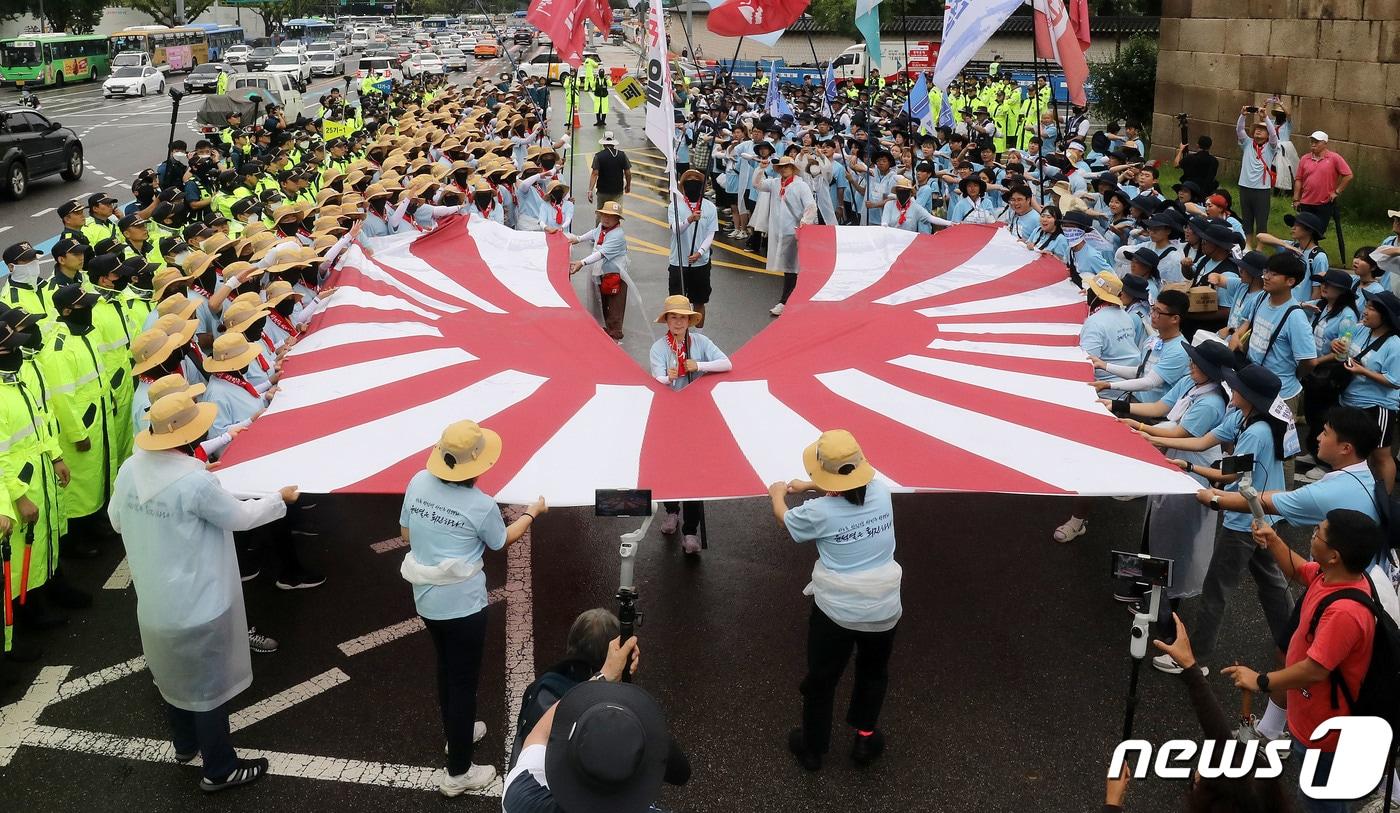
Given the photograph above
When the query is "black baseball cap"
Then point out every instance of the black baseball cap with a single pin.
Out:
(136, 265)
(69, 296)
(99, 199)
(107, 245)
(67, 246)
(103, 264)
(246, 204)
(11, 339)
(70, 207)
(170, 194)
(18, 318)
(131, 221)
(20, 253)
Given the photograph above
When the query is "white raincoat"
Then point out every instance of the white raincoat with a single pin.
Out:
(177, 523)
(796, 206)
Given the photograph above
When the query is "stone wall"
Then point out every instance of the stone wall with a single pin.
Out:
(1335, 63)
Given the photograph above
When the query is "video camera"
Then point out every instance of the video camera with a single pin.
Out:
(626, 502)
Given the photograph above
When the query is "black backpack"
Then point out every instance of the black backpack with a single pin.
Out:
(1379, 693)
(547, 690)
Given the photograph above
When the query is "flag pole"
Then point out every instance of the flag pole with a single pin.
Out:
(1035, 88)
(831, 113)
(737, 46)
(910, 130)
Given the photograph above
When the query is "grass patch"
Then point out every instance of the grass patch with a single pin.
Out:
(1364, 222)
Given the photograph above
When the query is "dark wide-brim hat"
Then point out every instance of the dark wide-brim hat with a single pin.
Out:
(607, 749)
(1388, 304)
(1212, 358)
(973, 179)
(1135, 287)
(1309, 221)
(1258, 386)
(1335, 277)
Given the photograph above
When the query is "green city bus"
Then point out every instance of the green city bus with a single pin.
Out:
(52, 59)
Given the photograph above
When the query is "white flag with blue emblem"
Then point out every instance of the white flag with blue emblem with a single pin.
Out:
(775, 104)
(967, 25)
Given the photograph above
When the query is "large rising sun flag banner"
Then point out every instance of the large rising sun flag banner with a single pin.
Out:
(952, 357)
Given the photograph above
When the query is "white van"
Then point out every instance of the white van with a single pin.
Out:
(360, 39)
(283, 84)
(377, 65)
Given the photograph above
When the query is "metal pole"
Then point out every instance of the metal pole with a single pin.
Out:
(43, 26)
(1035, 88)
(908, 102)
(179, 12)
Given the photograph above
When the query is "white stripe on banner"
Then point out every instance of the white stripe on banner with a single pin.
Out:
(1073, 394)
(348, 295)
(405, 263)
(1000, 257)
(374, 272)
(323, 386)
(519, 259)
(332, 336)
(1005, 328)
(1028, 351)
(1054, 460)
(599, 447)
(863, 257)
(767, 430)
(1051, 296)
(351, 455)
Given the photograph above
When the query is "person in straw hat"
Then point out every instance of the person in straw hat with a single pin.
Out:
(689, 266)
(791, 205)
(609, 267)
(906, 213)
(177, 525)
(678, 358)
(448, 524)
(855, 590)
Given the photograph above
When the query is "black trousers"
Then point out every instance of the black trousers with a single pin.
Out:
(789, 285)
(205, 733)
(829, 647)
(690, 512)
(458, 643)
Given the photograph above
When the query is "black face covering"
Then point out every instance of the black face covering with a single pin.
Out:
(11, 359)
(693, 189)
(483, 199)
(79, 318)
(902, 195)
(377, 205)
(120, 283)
(460, 176)
(285, 307)
(254, 331)
(36, 339)
(310, 276)
(142, 281)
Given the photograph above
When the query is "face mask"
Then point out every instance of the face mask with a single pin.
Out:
(902, 195)
(178, 259)
(10, 361)
(36, 339)
(693, 189)
(79, 317)
(120, 283)
(286, 306)
(178, 156)
(26, 274)
(255, 330)
(304, 145)
(483, 199)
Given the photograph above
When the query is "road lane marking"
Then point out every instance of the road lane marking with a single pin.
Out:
(43, 212)
(389, 544)
(17, 720)
(519, 593)
(120, 578)
(101, 677)
(394, 632)
(287, 698)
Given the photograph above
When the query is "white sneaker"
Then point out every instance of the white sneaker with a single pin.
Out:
(670, 523)
(1313, 474)
(1166, 663)
(776, 310)
(477, 777)
(1072, 529)
(1249, 730)
(691, 543)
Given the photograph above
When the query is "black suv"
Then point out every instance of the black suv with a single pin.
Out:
(32, 147)
(523, 36)
(259, 57)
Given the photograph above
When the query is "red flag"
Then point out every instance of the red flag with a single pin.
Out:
(743, 18)
(601, 13)
(1055, 39)
(1079, 18)
(562, 22)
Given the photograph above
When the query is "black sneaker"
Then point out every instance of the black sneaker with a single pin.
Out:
(248, 770)
(66, 595)
(797, 744)
(867, 748)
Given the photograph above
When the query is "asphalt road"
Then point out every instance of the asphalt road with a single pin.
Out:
(1008, 678)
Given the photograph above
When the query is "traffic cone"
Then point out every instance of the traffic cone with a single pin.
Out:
(577, 121)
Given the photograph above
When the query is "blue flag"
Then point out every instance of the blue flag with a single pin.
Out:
(869, 26)
(917, 104)
(945, 114)
(775, 104)
(830, 82)
(384, 86)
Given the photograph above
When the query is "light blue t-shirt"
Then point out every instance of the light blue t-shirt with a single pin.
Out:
(1229, 427)
(1110, 334)
(1167, 357)
(1258, 440)
(1205, 411)
(1329, 327)
(450, 521)
(1294, 344)
(1352, 487)
(701, 349)
(1367, 392)
(850, 538)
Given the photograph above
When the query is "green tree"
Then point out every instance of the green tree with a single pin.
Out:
(1126, 83)
(274, 14)
(163, 11)
(839, 16)
(73, 16)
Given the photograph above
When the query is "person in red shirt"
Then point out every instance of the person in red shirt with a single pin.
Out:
(1342, 547)
(1322, 177)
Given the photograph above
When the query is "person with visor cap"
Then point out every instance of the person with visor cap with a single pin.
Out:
(177, 526)
(855, 589)
(73, 214)
(26, 289)
(101, 223)
(449, 524)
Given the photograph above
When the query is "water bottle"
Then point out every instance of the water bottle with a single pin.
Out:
(1348, 328)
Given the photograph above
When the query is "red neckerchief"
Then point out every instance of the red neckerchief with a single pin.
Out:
(198, 354)
(903, 210)
(1259, 153)
(283, 322)
(486, 213)
(239, 381)
(783, 185)
(602, 235)
(270, 346)
(146, 378)
(303, 233)
(694, 207)
(194, 286)
(201, 455)
(558, 212)
(678, 350)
